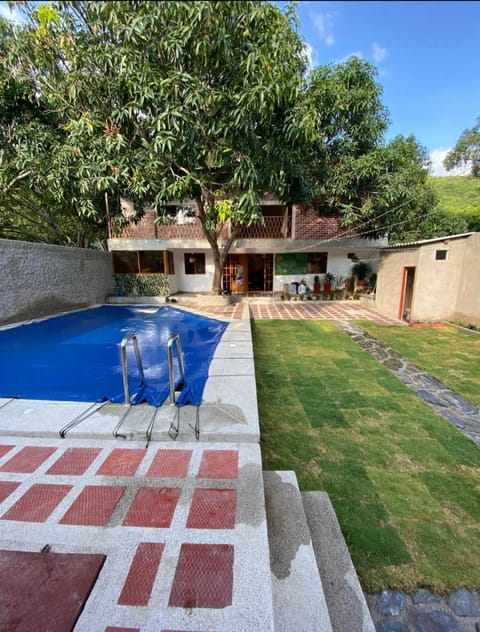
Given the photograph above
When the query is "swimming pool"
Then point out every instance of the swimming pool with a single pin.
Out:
(76, 357)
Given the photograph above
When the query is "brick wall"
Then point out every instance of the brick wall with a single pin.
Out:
(308, 225)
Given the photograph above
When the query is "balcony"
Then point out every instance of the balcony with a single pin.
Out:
(274, 227)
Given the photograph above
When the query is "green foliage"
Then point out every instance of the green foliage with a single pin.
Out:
(157, 101)
(466, 151)
(378, 188)
(459, 195)
(142, 284)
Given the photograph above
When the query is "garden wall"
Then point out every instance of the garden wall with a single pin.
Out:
(38, 280)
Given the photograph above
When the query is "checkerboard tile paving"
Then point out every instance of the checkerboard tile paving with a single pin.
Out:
(173, 525)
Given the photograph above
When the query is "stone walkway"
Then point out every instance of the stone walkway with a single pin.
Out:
(424, 611)
(446, 403)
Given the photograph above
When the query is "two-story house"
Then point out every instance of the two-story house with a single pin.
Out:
(292, 244)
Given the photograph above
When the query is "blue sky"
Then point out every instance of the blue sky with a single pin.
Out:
(426, 53)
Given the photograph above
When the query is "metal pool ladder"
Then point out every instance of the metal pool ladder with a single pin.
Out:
(123, 354)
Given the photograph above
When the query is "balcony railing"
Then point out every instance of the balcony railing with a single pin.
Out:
(274, 227)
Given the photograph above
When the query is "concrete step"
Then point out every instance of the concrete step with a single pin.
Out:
(298, 598)
(346, 602)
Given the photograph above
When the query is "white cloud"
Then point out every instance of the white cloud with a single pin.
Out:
(378, 52)
(310, 54)
(8, 14)
(323, 23)
(437, 156)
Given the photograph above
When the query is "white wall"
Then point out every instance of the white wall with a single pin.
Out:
(37, 279)
(193, 282)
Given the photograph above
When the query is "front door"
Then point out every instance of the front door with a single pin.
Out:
(248, 273)
(406, 296)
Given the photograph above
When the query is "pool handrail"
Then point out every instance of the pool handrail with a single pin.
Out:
(175, 338)
(123, 353)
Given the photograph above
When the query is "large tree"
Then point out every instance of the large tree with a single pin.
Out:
(376, 187)
(158, 101)
(161, 101)
(466, 151)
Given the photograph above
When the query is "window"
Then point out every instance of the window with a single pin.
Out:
(125, 263)
(317, 262)
(441, 255)
(194, 263)
(143, 261)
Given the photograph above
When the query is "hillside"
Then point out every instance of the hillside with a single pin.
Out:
(457, 194)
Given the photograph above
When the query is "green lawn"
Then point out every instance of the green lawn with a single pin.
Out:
(405, 484)
(453, 357)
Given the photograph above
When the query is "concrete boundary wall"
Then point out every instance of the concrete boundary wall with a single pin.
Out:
(38, 280)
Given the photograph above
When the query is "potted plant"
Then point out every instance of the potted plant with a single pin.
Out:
(329, 278)
(360, 272)
(316, 284)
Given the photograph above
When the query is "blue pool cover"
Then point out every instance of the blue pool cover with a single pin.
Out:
(76, 357)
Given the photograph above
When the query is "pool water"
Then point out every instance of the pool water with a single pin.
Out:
(76, 357)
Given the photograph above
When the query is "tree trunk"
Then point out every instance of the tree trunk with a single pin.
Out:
(219, 251)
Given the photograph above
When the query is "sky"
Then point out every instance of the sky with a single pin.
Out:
(427, 57)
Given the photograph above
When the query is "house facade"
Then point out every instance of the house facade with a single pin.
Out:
(431, 280)
(292, 244)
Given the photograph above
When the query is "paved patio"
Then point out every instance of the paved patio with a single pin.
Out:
(299, 310)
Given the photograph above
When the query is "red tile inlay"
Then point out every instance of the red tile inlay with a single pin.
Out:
(4, 449)
(74, 461)
(213, 509)
(27, 460)
(94, 506)
(6, 488)
(152, 507)
(141, 576)
(122, 462)
(37, 503)
(204, 576)
(219, 464)
(45, 591)
(170, 463)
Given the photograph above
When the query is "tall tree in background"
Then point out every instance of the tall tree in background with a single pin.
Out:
(377, 188)
(466, 151)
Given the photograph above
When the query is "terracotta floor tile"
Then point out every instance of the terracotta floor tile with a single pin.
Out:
(6, 488)
(37, 503)
(170, 463)
(94, 506)
(219, 464)
(204, 576)
(4, 449)
(74, 461)
(141, 576)
(213, 509)
(122, 462)
(28, 459)
(152, 507)
(45, 591)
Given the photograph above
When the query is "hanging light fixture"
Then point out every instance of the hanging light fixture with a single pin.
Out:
(192, 258)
